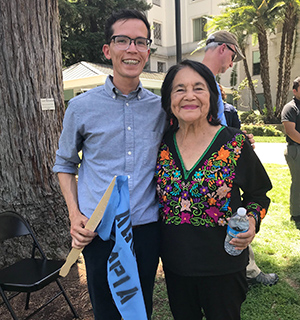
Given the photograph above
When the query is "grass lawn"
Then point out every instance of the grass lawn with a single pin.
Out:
(270, 139)
(277, 249)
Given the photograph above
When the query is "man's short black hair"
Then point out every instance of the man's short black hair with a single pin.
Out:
(296, 83)
(124, 14)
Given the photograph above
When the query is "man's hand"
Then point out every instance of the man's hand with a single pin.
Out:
(80, 236)
(251, 138)
(244, 239)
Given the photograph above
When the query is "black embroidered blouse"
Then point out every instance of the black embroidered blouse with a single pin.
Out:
(194, 204)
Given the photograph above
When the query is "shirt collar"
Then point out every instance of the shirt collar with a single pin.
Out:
(111, 89)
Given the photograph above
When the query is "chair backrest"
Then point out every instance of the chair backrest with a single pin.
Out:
(12, 225)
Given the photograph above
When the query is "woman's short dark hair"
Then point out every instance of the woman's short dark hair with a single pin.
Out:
(208, 76)
(124, 14)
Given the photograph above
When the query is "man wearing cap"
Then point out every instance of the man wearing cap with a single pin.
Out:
(290, 118)
(221, 51)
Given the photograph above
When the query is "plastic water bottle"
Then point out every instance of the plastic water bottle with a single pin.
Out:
(238, 223)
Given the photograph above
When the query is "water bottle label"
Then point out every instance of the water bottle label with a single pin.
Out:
(233, 233)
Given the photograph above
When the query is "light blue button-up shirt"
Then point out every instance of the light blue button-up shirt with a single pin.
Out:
(118, 135)
(221, 114)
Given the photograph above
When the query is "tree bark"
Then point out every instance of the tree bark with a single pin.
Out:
(291, 20)
(281, 65)
(265, 69)
(31, 69)
(250, 83)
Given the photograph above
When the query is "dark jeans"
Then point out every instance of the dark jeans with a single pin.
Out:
(146, 244)
(216, 297)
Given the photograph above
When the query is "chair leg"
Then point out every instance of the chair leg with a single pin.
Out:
(27, 301)
(6, 301)
(67, 299)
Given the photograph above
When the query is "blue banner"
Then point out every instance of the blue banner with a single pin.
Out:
(122, 271)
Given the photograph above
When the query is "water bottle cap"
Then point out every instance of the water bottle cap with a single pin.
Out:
(241, 211)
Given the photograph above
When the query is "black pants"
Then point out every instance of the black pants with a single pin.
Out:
(216, 297)
(146, 244)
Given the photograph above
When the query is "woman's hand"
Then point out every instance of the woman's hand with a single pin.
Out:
(244, 239)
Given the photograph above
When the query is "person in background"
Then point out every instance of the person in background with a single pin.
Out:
(205, 172)
(231, 115)
(290, 117)
(118, 127)
(221, 51)
(253, 272)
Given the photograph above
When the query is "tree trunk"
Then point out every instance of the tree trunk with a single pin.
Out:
(281, 65)
(250, 83)
(30, 70)
(265, 70)
(291, 30)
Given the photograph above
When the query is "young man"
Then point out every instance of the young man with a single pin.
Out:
(290, 117)
(118, 127)
(221, 51)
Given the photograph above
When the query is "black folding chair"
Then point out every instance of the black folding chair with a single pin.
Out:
(28, 274)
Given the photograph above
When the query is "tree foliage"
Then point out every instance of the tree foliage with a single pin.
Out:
(82, 27)
(259, 18)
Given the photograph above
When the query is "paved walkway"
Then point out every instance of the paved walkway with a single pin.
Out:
(270, 152)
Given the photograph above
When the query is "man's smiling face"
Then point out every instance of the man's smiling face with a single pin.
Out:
(127, 64)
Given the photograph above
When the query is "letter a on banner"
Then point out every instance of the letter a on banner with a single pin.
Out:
(122, 271)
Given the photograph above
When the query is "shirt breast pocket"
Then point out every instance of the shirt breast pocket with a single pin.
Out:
(151, 142)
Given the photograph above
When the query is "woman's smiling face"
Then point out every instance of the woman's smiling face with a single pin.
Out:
(190, 97)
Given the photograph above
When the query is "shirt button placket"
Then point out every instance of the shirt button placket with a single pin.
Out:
(129, 144)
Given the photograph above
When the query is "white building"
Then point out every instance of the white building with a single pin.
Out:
(162, 20)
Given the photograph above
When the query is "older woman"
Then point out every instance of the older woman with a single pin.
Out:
(202, 166)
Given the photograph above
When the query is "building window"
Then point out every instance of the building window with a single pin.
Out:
(256, 63)
(161, 67)
(156, 2)
(198, 29)
(157, 33)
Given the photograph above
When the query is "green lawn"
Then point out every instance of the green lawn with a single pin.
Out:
(270, 140)
(277, 249)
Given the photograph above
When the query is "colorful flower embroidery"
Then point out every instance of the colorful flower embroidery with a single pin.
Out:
(223, 155)
(185, 205)
(214, 213)
(204, 199)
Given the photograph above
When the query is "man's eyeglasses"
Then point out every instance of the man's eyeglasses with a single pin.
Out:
(234, 55)
(124, 42)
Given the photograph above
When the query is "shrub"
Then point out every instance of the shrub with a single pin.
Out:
(250, 117)
(261, 130)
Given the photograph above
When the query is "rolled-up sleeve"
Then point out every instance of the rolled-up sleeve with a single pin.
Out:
(70, 143)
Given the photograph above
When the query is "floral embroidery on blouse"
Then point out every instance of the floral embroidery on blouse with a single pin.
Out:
(204, 199)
